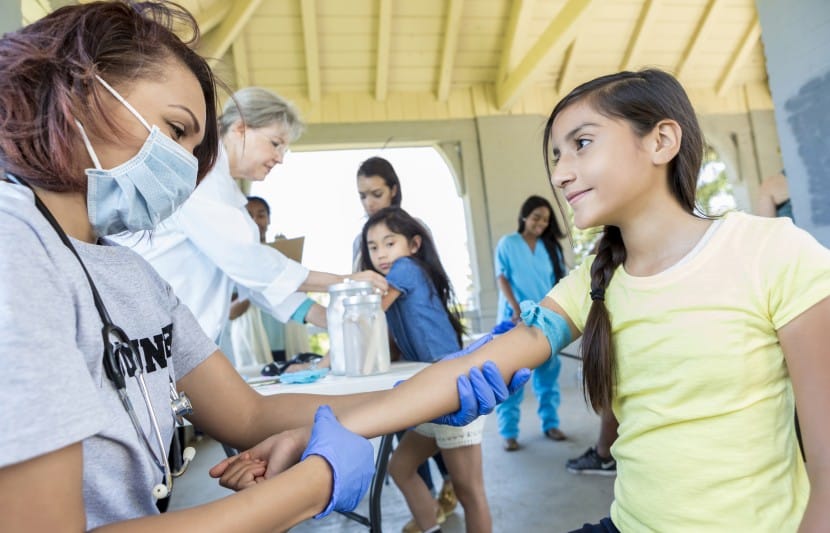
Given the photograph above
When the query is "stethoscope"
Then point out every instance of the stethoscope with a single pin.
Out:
(118, 352)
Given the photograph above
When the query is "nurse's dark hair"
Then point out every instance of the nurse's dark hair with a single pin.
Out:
(550, 237)
(378, 166)
(401, 222)
(47, 79)
(641, 99)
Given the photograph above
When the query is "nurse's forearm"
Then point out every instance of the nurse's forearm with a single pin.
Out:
(433, 391)
(320, 281)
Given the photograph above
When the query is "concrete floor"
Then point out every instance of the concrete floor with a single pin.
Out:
(529, 490)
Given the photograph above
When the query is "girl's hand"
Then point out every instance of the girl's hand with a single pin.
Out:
(242, 471)
(377, 280)
(278, 453)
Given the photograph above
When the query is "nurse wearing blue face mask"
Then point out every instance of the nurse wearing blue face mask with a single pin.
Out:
(107, 121)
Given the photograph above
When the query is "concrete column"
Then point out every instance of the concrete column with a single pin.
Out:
(10, 16)
(796, 38)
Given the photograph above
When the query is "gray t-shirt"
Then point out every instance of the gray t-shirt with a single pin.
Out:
(53, 390)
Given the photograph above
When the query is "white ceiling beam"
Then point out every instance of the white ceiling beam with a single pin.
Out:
(451, 28)
(739, 55)
(520, 15)
(312, 48)
(216, 43)
(630, 58)
(694, 45)
(561, 31)
(384, 38)
(566, 70)
(240, 63)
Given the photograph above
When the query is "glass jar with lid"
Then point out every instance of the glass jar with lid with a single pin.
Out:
(334, 318)
(365, 336)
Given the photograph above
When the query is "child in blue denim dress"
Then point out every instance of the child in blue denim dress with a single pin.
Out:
(426, 326)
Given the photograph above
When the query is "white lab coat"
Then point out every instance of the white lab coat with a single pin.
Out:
(211, 245)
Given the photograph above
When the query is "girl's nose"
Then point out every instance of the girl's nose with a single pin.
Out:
(561, 176)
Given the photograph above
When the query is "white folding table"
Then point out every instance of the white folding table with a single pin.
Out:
(332, 384)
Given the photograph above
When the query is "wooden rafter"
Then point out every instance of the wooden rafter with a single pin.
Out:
(451, 28)
(647, 12)
(384, 38)
(748, 42)
(520, 13)
(240, 63)
(566, 70)
(694, 45)
(33, 10)
(211, 17)
(312, 48)
(217, 42)
(561, 31)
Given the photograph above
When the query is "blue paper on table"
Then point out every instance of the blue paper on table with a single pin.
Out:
(304, 376)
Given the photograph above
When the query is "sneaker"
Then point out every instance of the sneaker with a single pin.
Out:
(591, 463)
(412, 526)
(447, 499)
(511, 445)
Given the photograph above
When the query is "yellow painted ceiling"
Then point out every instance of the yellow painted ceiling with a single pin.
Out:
(367, 60)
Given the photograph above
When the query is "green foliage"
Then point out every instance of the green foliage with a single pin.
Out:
(711, 191)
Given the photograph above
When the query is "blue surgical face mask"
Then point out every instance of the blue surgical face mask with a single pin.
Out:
(144, 190)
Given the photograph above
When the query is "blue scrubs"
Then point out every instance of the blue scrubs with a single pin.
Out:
(531, 276)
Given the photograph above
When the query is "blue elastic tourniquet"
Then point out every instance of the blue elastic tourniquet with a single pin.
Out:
(552, 325)
(300, 313)
(304, 376)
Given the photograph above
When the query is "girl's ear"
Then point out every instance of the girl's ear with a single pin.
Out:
(415, 244)
(667, 135)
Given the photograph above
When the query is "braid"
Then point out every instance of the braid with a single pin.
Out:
(598, 361)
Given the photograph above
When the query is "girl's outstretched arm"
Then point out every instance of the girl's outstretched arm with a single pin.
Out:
(432, 392)
(805, 342)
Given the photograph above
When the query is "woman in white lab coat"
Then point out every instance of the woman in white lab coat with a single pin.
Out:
(210, 246)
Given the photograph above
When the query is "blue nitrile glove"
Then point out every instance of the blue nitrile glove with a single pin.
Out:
(350, 456)
(479, 393)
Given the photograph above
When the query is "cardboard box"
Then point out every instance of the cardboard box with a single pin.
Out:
(290, 248)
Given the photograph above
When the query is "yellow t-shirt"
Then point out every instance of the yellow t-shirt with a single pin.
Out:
(706, 437)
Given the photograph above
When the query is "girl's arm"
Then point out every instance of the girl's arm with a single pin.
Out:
(228, 409)
(389, 298)
(432, 392)
(507, 290)
(320, 281)
(805, 340)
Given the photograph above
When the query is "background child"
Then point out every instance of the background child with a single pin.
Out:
(529, 262)
(378, 186)
(426, 326)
